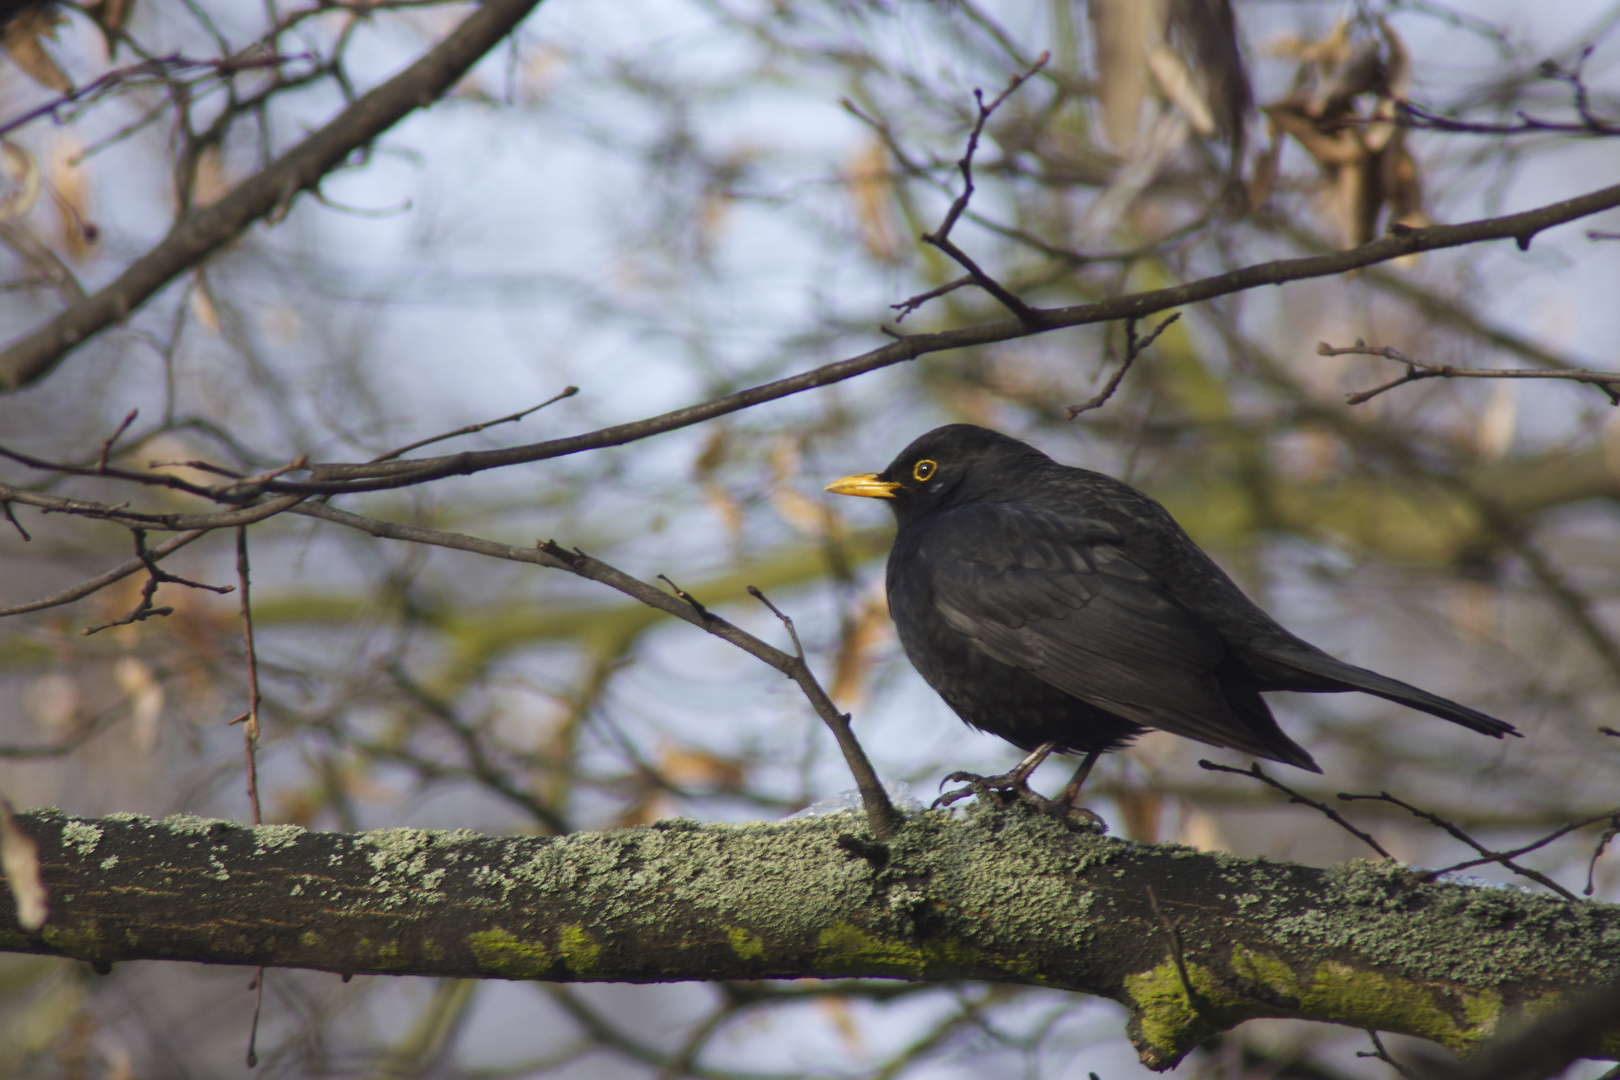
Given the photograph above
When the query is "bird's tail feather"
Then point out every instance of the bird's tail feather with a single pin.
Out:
(1351, 677)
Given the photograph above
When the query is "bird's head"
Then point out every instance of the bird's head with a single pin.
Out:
(954, 464)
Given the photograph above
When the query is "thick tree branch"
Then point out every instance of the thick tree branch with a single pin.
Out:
(268, 192)
(1007, 897)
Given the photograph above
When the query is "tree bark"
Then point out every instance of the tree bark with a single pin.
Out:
(1192, 942)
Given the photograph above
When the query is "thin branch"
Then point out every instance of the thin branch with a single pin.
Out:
(470, 429)
(1505, 858)
(162, 69)
(338, 478)
(1418, 370)
(550, 554)
(1522, 227)
(6, 506)
(265, 194)
(106, 447)
(880, 812)
(1597, 853)
(156, 576)
(101, 581)
(1295, 797)
(1379, 1053)
(120, 513)
(250, 728)
(906, 307)
(940, 237)
(1173, 931)
(1133, 349)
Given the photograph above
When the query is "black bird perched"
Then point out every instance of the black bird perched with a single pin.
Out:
(1064, 610)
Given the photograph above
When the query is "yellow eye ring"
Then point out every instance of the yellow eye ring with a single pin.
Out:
(924, 469)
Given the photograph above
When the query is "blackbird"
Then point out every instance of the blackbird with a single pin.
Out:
(1064, 610)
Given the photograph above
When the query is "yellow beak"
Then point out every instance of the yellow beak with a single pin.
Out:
(866, 484)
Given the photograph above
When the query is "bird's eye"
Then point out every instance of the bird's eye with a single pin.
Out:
(924, 469)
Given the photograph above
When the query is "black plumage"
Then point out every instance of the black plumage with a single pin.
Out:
(1049, 604)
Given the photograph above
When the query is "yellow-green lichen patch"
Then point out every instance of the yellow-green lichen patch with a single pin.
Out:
(386, 956)
(1167, 1023)
(845, 949)
(1267, 971)
(501, 953)
(749, 946)
(309, 939)
(1370, 1000)
(194, 825)
(579, 950)
(81, 836)
(268, 837)
(81, 942)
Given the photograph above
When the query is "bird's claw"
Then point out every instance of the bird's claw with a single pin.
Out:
(1012, 787)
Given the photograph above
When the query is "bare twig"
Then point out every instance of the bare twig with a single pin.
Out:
(101, 581)
(1418, 370)
(257, 986)
(159, 69)
(250, 730)
(551, 554)
(470, 429)
(684, 595)
(1295, 797)
(1597, 853)
(906, 307)
(1505, 858)
(156, 576)
(940, 237)
(1173, 931)
(880, 812)
(6, 506)
(1379, 1053)
(120, 513)
(1133, 349)
(106, 447)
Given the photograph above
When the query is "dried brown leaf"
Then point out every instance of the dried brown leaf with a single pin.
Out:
(1124, 31)
(807, 515)
(203, 308)
(138, 682)
(20, 172)
(22, 39)
(869, 630)
(713, 454)
(208, 183)
(69, 180)
(1176, 82)
(19, 856)
(1143, 812)
(699, 768)
(871, 189)
(726, 508)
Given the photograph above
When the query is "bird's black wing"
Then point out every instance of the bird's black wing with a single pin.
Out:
(1052, 594)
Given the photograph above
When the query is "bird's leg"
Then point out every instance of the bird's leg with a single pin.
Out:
(1013, 786)
(1015, 780)
(1071, 791)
